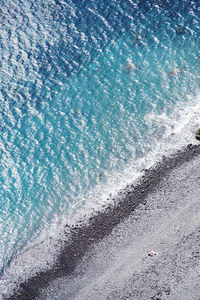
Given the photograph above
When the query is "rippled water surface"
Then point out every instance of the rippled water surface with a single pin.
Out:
(89, 90)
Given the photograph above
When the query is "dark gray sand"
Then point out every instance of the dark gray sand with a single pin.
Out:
(108, 259)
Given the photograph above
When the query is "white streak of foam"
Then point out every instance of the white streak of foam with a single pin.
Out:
(179, 131)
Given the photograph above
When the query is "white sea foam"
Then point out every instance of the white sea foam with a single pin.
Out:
(40, 253)
(56, 149)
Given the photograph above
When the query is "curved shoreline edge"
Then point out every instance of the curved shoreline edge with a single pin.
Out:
(102, 224)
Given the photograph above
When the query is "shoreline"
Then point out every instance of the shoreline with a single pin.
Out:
(101, 225)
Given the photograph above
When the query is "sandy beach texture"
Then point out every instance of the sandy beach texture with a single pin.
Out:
(108, 259)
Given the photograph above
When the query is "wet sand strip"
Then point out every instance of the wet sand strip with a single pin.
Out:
(102, 224)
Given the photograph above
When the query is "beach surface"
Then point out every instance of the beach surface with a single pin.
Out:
(108, 259)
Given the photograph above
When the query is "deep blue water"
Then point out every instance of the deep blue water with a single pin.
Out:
(86, 92)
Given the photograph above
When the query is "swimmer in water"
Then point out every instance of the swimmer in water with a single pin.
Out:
(130, 66)
(174, 73)
(180, 30)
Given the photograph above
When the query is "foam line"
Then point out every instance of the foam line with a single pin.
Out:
(101, 225)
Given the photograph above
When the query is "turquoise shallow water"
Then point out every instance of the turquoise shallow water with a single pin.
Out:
(86, 91)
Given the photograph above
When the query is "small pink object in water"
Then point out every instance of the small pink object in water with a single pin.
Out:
(152, 253)
(174, 72)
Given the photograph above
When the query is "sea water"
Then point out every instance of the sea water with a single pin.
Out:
(92, 93)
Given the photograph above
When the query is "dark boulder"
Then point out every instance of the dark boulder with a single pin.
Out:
(197, 134)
